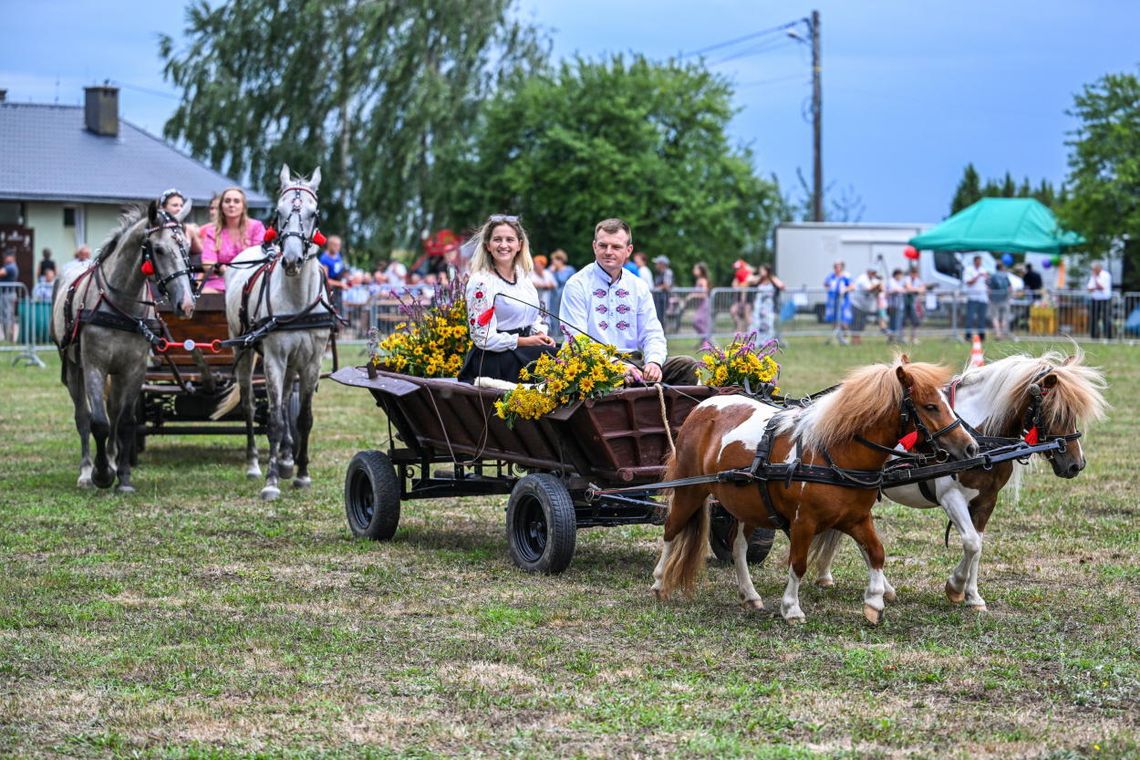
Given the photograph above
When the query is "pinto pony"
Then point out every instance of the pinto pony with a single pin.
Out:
(851, 429)
(1040, 398)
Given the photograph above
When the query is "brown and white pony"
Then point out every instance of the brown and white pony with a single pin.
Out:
(723, 432)
(998, 400)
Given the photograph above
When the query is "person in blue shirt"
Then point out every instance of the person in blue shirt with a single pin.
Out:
(839, 286)
(335, 269)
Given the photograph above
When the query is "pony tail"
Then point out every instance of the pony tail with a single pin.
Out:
(823, 545)
(690, 545)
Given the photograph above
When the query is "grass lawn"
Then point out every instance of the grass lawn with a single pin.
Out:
(192, 620)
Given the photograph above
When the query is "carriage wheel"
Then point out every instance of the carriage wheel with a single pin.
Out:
(541, 525)
(722, 531)
(372, 496)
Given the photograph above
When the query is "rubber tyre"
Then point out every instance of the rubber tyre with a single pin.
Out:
(372, 496)
(722, 528)
(542, 527)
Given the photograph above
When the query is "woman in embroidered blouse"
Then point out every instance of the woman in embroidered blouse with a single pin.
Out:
(502, 304)
(223, 241)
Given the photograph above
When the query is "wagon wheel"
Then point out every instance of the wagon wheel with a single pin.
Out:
(541, 524)
(372, 496)
(722, 530)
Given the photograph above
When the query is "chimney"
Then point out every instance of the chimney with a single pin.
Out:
(3, 96)
(103, 110)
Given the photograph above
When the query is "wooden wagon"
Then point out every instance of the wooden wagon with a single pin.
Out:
(445, 440)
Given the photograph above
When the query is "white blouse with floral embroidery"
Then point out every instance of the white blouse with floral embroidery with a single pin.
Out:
(488, 329)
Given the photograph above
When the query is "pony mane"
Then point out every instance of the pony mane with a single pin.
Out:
(1076, 400)
(131, 216)
(868, 397)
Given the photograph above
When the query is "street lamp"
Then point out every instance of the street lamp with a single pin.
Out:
(812, 25)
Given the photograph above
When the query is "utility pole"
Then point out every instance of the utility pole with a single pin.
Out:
(817, 121)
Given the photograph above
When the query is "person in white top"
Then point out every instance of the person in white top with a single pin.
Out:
(976, 279)
(612, 305)
(503, 318)
(1099, 287)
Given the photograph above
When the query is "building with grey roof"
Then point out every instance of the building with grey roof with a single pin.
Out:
(66, 172)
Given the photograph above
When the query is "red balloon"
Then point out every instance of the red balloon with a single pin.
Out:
(911, 252)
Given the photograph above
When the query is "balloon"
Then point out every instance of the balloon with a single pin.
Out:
(1046, 264)
(911, 252)
(1007, 259)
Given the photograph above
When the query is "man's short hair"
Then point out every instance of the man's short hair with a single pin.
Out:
(612, 226)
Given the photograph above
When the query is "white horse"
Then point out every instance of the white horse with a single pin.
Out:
(1053, 393)
(104, 322)
(276, 300)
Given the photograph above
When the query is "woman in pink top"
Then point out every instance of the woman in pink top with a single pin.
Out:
(233, 233)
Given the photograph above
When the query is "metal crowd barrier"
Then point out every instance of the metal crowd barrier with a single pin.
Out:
(25, 323)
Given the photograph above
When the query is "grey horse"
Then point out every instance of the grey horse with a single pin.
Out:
(104, 321)
(276, 299)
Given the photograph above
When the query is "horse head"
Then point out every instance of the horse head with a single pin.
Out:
(926, 413)
(1063, 398)
(298, 215)
(166, 257)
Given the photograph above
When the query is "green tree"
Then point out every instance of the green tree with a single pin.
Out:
(378, 94)
(1103, 186)
(969, 190)
(639, 140)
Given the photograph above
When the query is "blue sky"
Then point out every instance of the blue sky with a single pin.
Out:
(912, 91)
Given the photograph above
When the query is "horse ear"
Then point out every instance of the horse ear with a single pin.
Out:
(152, 213)
(1070, 359)
(1048, 381)
(903, 376)
(315, 180)
(904, 359)
(184, 214)
(284, 175)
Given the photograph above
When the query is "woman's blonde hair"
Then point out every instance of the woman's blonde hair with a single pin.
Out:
(243, 222)
(481, 260)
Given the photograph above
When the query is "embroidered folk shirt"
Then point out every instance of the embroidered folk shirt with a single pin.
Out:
(509, 314)
(620, 313)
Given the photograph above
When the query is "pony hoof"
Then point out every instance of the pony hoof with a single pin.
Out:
(126, 488)
(957, 597)
(825, 582)
(797, 620)
(253, 473)
(753, 605)
(103, 480)
(304, 482)
(85, 482)
(978, 607)
(286, 470)
(269, 493)
(890, 596)
(874, 616)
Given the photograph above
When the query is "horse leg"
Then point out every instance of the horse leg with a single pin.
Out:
(287, 448)
(864, 534)
(82, 420)
(243, 374)
(102, 475)
(749, 599)
(124, 394)
(305, 425)
(823, 549)
(802, 532)
(685, 538)
(273, 383)
(963, 582)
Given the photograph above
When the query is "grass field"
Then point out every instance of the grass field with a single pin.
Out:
(192, 620)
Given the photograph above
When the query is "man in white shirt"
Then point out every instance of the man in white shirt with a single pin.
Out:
(1099, 287)
(865, 300)
(614, 306)
(976, 279)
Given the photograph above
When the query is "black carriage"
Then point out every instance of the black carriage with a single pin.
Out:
(445, 440)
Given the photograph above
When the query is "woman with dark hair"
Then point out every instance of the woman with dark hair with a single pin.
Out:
(502, 304)
(172, 202)
(702, 316)
(768, 289)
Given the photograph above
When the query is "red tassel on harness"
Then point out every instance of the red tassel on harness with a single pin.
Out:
(909, 441)
(1031, 436)
(485, 317)
(147, 267)
(319, 237)
(270, 235)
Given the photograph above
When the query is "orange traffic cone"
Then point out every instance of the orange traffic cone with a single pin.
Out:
(976, 357)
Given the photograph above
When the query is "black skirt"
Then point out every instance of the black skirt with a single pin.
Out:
(501, 365)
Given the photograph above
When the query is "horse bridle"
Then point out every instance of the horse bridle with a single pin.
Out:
(168, 222)
(283, 233)
(908, 414)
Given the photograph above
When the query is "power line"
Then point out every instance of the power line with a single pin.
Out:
(738, 40)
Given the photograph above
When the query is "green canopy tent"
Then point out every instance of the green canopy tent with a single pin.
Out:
(999, 224)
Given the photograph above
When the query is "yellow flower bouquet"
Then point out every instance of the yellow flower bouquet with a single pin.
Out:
(741, 362)
(582, 368)
(434, 339)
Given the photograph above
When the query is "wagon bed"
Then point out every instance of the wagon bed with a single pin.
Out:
(445, 440)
